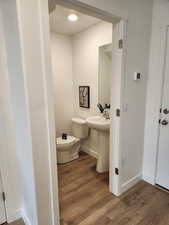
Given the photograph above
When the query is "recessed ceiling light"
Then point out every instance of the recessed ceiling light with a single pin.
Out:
(73, 17)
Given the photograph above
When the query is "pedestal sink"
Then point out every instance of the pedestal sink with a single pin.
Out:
(98, 123)
(102, 126)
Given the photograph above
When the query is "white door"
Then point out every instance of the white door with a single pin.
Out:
(162, 177)
(119, 33)
(2, 205)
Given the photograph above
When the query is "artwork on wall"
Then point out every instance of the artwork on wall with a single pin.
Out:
(84, 96)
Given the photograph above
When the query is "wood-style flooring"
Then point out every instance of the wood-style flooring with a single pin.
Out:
(18, 222)
(86, 200)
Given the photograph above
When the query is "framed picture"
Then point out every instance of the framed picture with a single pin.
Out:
(84, 96)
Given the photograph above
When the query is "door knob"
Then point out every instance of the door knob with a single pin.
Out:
(164, 122)
(166, 111)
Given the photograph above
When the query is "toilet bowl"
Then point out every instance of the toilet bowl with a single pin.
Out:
(68, 150)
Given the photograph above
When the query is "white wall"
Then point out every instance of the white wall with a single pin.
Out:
(9, 155)
(61, 54)
(18, 109)
(86, 63)
(160, 19)
(33, 20)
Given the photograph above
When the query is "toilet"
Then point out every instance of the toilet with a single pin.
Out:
(68, 150)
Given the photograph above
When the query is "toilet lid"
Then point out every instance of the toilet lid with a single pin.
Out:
(69, 140)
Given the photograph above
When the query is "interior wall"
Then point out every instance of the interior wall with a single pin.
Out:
(18, 109)
(61, 55)
(9, 155)
(33, 20)
(86, 63)
(160, 19)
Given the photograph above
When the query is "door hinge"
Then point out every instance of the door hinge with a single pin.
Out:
(159, 121)
(160, 110)
(116, 171)
(118, 112)
(120, 43)
(3, 196)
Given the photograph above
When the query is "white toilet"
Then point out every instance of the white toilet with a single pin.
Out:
(68, 150)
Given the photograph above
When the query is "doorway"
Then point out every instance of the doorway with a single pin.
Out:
(74, 176)
(162, 175)
(117, 78)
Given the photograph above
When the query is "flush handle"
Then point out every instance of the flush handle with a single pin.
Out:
(166, 111)
(164, 122)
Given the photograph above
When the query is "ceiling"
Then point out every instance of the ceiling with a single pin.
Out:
(60, 24)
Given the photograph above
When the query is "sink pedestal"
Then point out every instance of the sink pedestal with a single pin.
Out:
(103, 149)
(102, 127)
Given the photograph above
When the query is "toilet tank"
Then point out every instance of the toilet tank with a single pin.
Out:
(79, 128)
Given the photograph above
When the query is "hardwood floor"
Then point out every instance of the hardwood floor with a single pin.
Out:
(85, 199)
(18, 222)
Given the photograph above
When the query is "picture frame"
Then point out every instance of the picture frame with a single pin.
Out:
(84, 96)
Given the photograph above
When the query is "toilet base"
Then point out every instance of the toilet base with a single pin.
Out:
(69, 154)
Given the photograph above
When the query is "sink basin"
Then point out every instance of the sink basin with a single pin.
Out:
(98, 123)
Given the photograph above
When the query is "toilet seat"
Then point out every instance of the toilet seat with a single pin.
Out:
(63, 144)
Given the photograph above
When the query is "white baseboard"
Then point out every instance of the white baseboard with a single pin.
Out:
(20, 213)
(89, 151)
(25, 218)
(11, 217)
(148, 179)
(131, 182)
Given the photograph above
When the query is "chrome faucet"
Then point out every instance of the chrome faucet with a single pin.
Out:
(100, 108)
(104, 110)
(106, 114)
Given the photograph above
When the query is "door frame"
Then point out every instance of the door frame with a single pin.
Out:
(163, 42)
(115, 145)
(3, 167)
(115, 184)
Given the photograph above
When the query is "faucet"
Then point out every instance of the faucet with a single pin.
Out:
(106, 114)
(100, 108)
(104, 110)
